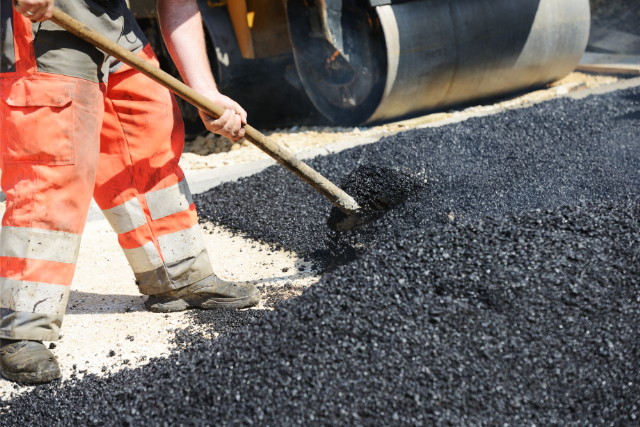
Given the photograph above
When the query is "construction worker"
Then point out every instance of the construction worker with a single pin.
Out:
(77, 123)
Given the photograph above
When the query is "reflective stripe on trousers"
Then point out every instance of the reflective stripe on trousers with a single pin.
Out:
(65, 139)
(175, 258)
(37, 267)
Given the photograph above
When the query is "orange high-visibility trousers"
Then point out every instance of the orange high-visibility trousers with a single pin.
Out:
(65, 139)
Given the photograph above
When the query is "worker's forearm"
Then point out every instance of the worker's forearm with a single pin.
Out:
(181, 27)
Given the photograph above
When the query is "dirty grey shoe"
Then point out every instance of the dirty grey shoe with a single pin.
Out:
(27, 362)
(210, 292)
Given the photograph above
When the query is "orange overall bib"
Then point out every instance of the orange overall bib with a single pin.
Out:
(76, 123)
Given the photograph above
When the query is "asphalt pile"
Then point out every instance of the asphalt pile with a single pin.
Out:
(527, 316)
(531, 319)
(376, 190)
(557, 153)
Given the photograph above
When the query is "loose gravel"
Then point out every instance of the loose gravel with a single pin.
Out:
(449, 317)
(531, 319)
(556, 153)
(103, 292)
(377, 190)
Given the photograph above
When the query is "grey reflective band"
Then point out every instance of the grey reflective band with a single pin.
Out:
(143, 259)
(169, 201)
(126, 217)
(182, 244)
(35, 243)
(190, 270)
(20, 325)
(33, 297)
(175, 275)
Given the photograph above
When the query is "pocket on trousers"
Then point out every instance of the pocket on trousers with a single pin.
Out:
(38, 121)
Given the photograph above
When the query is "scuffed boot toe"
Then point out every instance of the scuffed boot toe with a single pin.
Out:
(28, 362)
(209, 293)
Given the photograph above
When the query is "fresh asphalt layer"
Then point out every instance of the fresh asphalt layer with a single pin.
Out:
(530, 319)
(555, 153)
(444, 316)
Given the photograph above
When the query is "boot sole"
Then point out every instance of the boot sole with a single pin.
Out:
(182, 304)
(32, 377)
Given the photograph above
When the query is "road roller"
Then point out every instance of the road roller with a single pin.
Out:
(354, 62)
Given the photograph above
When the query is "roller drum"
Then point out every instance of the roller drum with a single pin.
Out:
(444, 53)
(440, 53)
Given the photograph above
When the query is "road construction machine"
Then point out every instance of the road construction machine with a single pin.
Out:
(354, 62)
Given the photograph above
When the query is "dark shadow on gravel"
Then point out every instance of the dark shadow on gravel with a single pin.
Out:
(630, 116)
(212, 324)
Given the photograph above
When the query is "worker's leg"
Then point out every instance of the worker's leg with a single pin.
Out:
(50, 127)
(51, 102)
(50, 146)
(142, 190)
(140, 187)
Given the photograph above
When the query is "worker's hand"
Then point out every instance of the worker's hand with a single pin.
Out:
(35, 10)
(231, 123)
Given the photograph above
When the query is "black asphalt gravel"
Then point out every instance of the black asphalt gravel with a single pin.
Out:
(557, 153)
(209, 322)
(377, 190)
(531, 319)
(447, 317)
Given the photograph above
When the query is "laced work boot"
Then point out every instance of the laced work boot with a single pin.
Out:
(210, 292)
(27, 362)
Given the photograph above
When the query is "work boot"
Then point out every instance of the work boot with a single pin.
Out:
(210, 292)
(27, 362)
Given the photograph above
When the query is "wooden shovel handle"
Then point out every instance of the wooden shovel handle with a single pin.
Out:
(325, 187)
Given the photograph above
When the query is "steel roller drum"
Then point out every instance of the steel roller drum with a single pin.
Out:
(437, 53)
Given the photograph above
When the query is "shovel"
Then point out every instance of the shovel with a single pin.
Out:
(344, 202)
